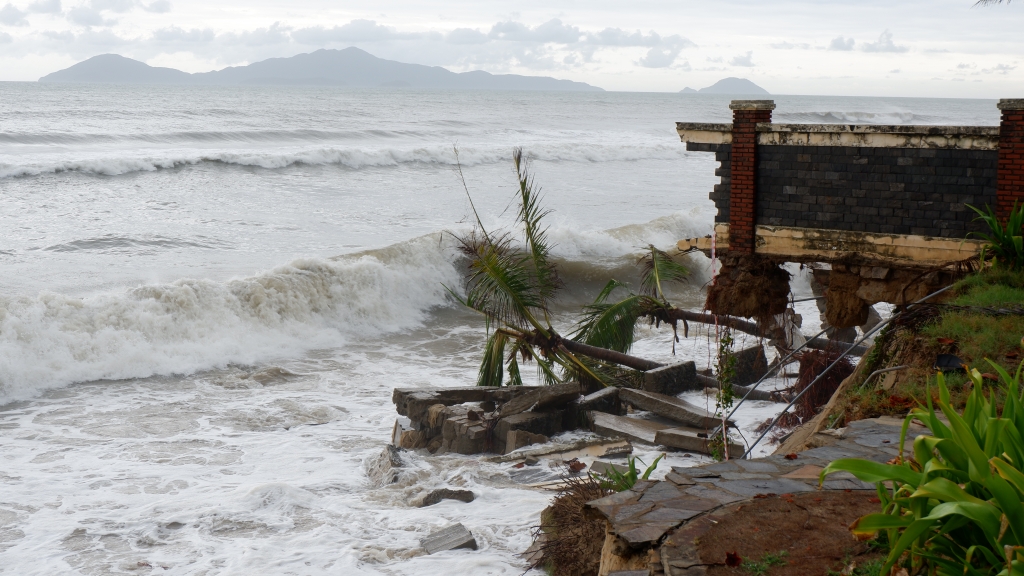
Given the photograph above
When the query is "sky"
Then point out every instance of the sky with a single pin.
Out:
(925, 48)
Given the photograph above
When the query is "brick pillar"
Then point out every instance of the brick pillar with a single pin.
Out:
(746, 115)
(1010, 177)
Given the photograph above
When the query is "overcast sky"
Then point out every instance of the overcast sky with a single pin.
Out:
(936, 48)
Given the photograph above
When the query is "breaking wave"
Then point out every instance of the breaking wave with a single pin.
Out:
(348, 157)
(854, 117)
(52, 340)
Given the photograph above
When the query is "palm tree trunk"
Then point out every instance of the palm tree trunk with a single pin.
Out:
(609, 356)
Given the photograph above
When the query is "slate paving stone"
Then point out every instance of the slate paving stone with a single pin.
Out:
(660, 492)
(679, 479)
(744, 476)
(675, 515)
(643, 515)
(627, 512)
(751, 488)
(646, 533)
(757, 466)
(712, 493)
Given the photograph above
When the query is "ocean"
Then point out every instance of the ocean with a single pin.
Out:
(209, 293)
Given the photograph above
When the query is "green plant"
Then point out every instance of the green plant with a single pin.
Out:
(613, 479)
(1003, 242)
(725, 397)
(955, 507)
(769, 559)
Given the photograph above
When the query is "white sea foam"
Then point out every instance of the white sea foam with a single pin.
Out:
(128, 161)
(855, 117)
(52, 339)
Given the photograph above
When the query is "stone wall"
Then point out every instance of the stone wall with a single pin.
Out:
(917, 191)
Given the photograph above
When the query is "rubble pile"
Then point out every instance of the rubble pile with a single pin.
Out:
(477, 420)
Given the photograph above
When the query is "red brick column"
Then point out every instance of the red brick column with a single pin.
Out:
(746, 115)
(1010, 177)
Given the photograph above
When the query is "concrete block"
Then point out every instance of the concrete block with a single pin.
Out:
(689, 441)
(546, 423)
(751, 364)
(672, 379)
(670, 407)
(516, 439)
(383, 468)
(453, 537)
(622, 427)
(540, 398)
(604, 400)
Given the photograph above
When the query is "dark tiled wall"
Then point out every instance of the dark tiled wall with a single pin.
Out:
(918, 191)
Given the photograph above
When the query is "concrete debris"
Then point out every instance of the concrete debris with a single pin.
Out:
(507, 420)
(670, 407)
(436, 496)
(689, 440)
(453, 537)
(751, 365)
(672, 379)
(383, 469)
(622, 427)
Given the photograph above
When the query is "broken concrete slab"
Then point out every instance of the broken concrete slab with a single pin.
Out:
(545, 423)
(413, 402)
(590, 448)
(540, 398)
(517, 439)
(687, 439)
(604, 400)
(751, 364)
(622, 427)
(383, 468)
(670, 407)
(453, 537)
(672, 379)
(436, 496)
(602, 467)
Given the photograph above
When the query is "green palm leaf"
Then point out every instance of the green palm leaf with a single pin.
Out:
(657, 269)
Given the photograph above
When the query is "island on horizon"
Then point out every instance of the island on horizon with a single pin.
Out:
(348, 67)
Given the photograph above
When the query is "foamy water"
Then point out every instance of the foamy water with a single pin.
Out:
(209, 295)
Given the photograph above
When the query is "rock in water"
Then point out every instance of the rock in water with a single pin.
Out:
(444, 494)
(383, 469)
(453, 537)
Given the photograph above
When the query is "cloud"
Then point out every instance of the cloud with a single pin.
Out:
(660, 57)
(552, 31)
(45, 7)
(840, 43)
(999, 69)
(88, 16)
(11, 16)
(466, 36)
(895, 71)
(354, 31)
(118, 6)
(743, 60)
(884, 44)
(157, 6)
(6, 38)
(965, 66)
(789, 46)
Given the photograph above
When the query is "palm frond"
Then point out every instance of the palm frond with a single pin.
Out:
(500, 286)
(657, 269)
(611, 325)
(492, 370)
(531, 216)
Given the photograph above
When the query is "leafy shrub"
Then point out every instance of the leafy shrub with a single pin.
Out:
(955, 507)
(1004, 242)
(621, 481)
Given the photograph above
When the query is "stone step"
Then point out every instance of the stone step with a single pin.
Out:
(670, 407)
(622, 427)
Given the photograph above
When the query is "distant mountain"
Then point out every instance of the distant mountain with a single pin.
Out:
(348, 67)
(737, 86)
